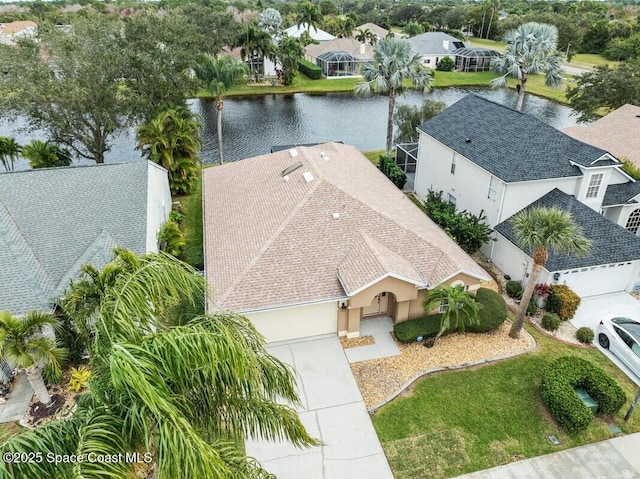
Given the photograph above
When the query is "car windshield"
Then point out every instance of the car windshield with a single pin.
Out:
(630, 326)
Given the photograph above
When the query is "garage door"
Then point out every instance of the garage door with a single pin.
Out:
(599, 280)
(298, 322)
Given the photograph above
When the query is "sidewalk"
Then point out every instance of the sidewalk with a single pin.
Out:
(18, 402)
(617, 458)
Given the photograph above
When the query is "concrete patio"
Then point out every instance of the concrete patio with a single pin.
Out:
(384, 346)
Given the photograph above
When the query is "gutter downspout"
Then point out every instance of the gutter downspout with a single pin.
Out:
(499, 219)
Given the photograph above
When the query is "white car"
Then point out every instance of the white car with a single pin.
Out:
(622, 337)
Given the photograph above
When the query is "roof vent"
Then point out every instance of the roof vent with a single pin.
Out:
(293, 152)
(467, 140)
(336, 216)
(291, 168)
(286, 178)
(307, 176)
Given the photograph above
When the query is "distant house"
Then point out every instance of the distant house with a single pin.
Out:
(434, 46)
(340, 57)
(54, 220)
(377, 30)
(319, 239)
(10, 32)
(490, 159)
(616, 132)
(316, 34)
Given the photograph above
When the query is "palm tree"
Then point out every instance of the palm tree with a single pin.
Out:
(218, 74)
(393, 62)
(172, 140)
(366, 36)
(539, 231)
(44, 154)
(188, 394)
(309, 15)
(9, 152)
(257, 45)
(408, 118)
(531, 49)
(453, 317)
(26, 343)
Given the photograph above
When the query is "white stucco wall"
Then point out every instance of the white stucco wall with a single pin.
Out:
(519, 195)
(158, 203)
(611, 176)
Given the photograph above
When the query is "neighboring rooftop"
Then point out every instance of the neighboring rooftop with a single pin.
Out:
(18, 28)
(350, 46)
(377, 30)
(611, 243)
(292, 239)
(435, 43)
(296, 31)
(54, 220)
(509, 144)
(616, 132)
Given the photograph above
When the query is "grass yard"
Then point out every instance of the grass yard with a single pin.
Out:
(301, 84)
(590, 60)
(458, 422)
(192, 227)
(374, 155)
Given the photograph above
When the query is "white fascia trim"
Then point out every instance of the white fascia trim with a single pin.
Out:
(292, 305)
(384, 276)
(606, 156)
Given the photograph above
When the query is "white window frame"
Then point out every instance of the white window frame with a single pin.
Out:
(452, 199)
(444, 305)
(633, 222)
(452, 170)
(493, 189)
(593, 187)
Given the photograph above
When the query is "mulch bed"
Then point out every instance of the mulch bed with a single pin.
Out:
(62, 402)
(356, 342)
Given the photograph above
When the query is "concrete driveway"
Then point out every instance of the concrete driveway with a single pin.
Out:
(332, 411)
(595, 308)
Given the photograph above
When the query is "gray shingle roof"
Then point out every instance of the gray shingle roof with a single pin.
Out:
(511, 145)
(611, 243)
(52, 220)
(621, 194)
(433, 43)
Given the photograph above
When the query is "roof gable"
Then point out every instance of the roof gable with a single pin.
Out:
(509, 144)
(435, 43)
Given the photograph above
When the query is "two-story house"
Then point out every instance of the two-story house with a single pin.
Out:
(489, 158)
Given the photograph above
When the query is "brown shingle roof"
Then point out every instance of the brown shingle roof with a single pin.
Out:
(271, 242)
(616, 133)
(349, 45)
(10, 29)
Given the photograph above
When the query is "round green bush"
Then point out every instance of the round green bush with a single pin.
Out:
(585, 335)
(493, 311)
(551, 321)
(532, 307)
(514, 289)
(563, 300)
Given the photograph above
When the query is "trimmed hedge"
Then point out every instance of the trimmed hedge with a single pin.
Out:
(392, 171)
(585, 335)
(314, 72)
(550, 321)
(564, 374)
(492, 314)
(514, 289)
(563, 300)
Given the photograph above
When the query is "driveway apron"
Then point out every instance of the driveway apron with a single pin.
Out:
(333, 411)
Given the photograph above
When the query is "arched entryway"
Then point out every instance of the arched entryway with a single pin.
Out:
(383, 304)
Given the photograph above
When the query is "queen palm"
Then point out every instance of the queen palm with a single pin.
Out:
(188, 394)
(540, 231)
(256, 45)
(366, 36)
(310, 16)
(531, 50)
(9, 152)
(457, 306)
(25, 342)
(393, 63)
(218, 74)
(44, 154)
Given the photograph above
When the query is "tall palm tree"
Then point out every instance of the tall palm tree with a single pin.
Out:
(457, 307)
(44, 154)
(309, 15)
(531, 49)
(187, 394)
(172, 140)
(539, 231)
(256, 45)
(218, 74)
(393, 62)
(25, 342)
(366, 36)
(9, 152)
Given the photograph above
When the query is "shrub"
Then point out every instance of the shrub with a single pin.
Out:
(426, 326)
(79, 378)
(563, 300)
(392, 171)
(585, 335)
(176, 216)
(170, 238)
(514, 289)
(532, 307)
(445, 65)
(493, 311)
(541, 291)
(564, 374)
(314, 72)
(550, 321)
(51, 374)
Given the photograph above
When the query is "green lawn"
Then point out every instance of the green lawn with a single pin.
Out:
(374, 155)
(590, 60)
(458, 422)
(483, 42)
(192, 227)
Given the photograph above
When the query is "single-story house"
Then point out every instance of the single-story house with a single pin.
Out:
(312, 240)
(341, 57)
(379, 32)
(54, 220)
(616, 132)
(434, 46)
(316, 34)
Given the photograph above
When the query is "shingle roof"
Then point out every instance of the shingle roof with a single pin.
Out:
(349, 45)
(511, 145)
(621, 193)
(52, 220)
(435, 43)
(281, 245)
(616, 132)
(373, 28)
(296, 31)
(611, 243)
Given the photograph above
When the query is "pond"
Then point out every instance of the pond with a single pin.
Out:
(251, 125)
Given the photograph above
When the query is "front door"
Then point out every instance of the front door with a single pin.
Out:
(378, 305)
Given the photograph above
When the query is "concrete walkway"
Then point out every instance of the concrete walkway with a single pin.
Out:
(18, 402)
(384, 345)
(617, 458)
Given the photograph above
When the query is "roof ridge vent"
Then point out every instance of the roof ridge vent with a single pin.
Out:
(291, 168)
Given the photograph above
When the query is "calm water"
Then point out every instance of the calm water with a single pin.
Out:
(252, 125)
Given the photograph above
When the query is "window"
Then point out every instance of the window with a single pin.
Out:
(594, 185)
(493, 188)
(451, 199)
(444, 305)
(634, 221)
(453, 165)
